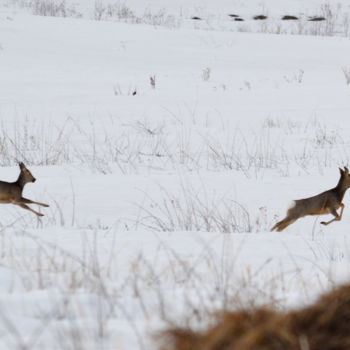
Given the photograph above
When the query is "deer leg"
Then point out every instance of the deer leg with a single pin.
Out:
(281, 225)
(25, 206)
(337, 216)
(29, 201)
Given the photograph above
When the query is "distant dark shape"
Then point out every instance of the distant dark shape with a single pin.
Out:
(196, 18)
(260, 17)
(233, 15)
(238, 19)
(134, 93)
(317, 19)
(289, 18)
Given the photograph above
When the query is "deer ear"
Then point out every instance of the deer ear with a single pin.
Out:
(346, 170)
(341, 171)
(21, 165)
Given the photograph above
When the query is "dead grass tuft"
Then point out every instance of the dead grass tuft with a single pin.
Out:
(321, 326)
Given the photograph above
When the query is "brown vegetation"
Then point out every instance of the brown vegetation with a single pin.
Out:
(260, 17)
(321, 326)
(289, 18)
(317, 19)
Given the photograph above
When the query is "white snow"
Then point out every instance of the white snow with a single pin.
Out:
(161, 199)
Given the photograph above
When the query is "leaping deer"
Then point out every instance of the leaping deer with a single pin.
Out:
(324, 203)
(11, 192)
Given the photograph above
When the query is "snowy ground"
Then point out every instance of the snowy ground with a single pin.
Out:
(161, 197)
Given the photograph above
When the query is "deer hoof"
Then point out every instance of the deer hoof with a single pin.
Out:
(323, 223)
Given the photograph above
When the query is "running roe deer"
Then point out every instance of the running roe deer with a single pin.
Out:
(11, 192)
(324, 203)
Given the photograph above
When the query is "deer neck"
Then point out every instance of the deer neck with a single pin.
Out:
(341, 189)
(21, 181)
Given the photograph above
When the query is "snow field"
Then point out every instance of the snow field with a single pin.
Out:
(161, 202)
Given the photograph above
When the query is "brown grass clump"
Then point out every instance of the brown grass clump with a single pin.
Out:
(316, 19)
(233, 330)
(325, 325)
(289, 18)
(260, 17)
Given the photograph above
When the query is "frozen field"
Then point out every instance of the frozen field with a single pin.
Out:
(166, 150)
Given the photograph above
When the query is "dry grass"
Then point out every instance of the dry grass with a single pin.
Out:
(329, 19)
(112, 146)
(322, 326)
